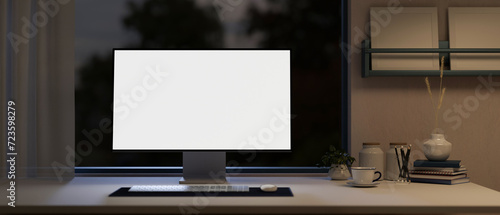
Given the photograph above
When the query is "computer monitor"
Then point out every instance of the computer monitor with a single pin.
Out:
(203, 103)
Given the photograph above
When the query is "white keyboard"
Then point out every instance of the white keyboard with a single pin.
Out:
(189, 188)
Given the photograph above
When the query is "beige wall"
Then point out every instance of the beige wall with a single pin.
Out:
(398, 109)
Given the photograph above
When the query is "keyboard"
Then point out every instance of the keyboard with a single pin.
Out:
(189, 188)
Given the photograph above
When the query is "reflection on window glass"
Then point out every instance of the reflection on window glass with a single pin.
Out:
(310, 28)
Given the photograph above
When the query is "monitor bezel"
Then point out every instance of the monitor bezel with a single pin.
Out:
(202, 150)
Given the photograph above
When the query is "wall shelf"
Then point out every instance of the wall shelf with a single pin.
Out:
(443, 50)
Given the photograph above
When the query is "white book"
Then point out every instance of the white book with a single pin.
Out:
(432, 172)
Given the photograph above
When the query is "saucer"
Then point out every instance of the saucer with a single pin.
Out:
(351, 183)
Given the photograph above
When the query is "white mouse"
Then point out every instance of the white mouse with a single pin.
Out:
(269, 188)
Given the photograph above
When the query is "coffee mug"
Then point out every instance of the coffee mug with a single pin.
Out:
(364, 175)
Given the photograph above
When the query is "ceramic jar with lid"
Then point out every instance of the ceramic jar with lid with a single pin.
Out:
(372, 156)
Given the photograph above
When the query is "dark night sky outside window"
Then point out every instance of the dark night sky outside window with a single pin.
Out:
(310, 28)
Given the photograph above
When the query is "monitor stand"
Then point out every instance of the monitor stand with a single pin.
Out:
(203, 168)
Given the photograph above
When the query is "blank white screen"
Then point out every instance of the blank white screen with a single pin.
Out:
(201, 100)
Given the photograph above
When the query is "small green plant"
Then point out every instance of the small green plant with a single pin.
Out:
(334, 156)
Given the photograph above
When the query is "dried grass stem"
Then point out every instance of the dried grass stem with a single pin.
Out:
(441, 94)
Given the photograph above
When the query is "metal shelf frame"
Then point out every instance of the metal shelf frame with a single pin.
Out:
(443, 50)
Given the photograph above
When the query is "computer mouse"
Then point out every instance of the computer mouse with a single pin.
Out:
(269, 188)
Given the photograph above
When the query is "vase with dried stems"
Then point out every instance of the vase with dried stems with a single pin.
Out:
(437, 148)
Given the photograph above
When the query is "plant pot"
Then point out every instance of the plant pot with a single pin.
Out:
(437, 148)
(339, 172)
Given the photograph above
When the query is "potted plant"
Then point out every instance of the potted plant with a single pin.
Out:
(338, 161)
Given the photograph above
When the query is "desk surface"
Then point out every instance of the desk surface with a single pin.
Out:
(311, 195)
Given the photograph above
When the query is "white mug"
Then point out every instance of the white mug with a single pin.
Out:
(364, 175)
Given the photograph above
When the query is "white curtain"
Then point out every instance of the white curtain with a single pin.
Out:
(3, 85)
(37, 71)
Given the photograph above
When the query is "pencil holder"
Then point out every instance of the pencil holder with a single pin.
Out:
(403, 156)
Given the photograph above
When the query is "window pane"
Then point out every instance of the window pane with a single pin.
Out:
(310, 28)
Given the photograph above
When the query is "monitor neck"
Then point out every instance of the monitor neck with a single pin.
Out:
(203, 168)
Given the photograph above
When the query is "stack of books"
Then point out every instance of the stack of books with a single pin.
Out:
(439, 172)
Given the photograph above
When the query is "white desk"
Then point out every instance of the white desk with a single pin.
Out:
(311, 195)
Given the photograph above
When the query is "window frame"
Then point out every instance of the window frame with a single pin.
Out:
(177, 171)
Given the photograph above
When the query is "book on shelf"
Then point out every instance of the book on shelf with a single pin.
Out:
(441, 181)
(428, 163)
(433, 172)
(441, 177)
(441, 169)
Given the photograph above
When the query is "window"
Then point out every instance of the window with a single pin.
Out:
(310, 28)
